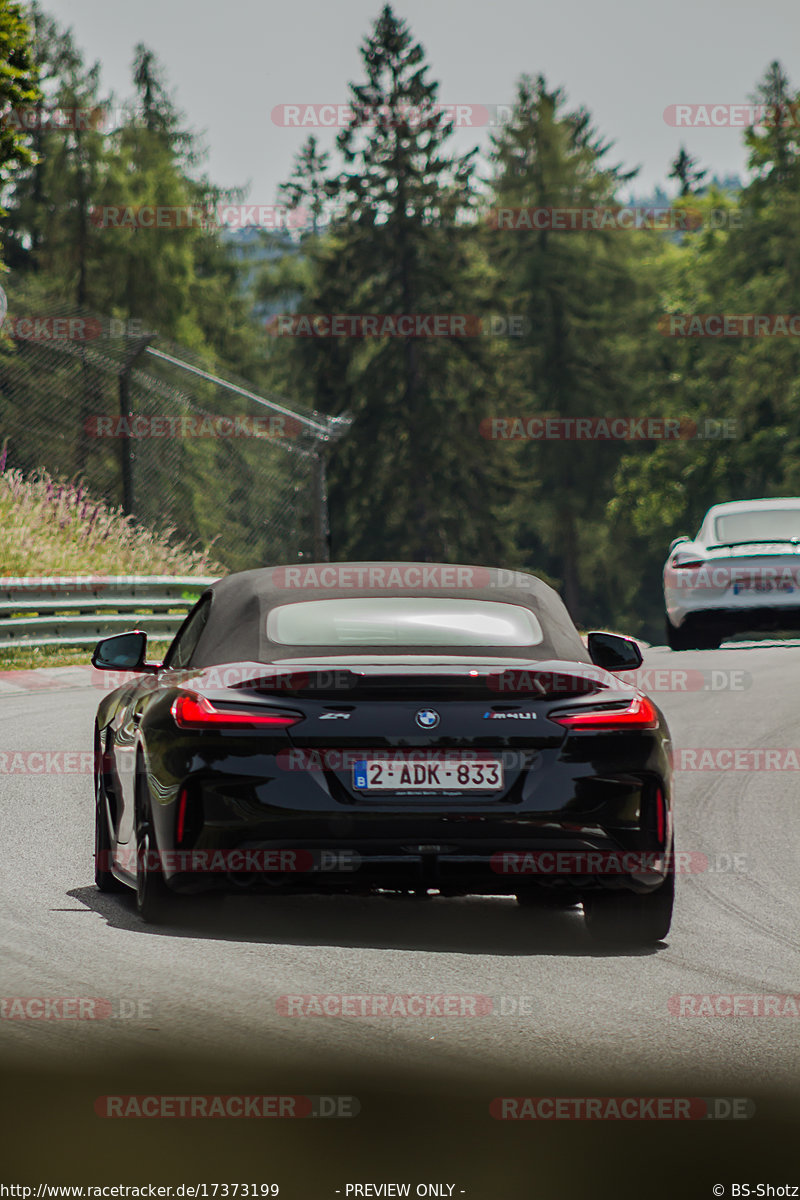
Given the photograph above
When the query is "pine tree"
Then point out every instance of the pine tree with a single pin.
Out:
(19, 91)
(581, 294)
(412, 479)
(685, 170)
(309, 184)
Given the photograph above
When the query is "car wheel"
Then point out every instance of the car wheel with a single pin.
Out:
(691, 638)
(622, 918)
(152, 894)
(707, 639)
(104, 879)
(678, 639)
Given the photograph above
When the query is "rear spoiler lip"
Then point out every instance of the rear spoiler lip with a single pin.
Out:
(539, 679)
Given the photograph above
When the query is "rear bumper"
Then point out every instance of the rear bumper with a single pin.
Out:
(738, 618)
(600, 794)
(575, 861)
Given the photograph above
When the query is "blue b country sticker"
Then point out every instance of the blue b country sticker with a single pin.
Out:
(360, 774)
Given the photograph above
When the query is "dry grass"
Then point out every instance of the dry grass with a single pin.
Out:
(50, 527)
(52, 656)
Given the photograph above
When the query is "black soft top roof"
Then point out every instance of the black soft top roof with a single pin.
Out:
(236, 629)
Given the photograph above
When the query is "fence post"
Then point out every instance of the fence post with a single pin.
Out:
(125, 452)
(321, 530)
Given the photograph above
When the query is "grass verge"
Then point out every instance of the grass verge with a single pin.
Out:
(51, 527)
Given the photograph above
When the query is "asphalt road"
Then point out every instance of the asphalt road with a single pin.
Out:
(205, 989)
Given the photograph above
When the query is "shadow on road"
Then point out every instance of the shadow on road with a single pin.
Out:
(477, 925)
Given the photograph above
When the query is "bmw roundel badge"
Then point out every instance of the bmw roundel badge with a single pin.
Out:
(426, 718)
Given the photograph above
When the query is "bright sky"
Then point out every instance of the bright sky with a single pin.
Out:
(229, 64)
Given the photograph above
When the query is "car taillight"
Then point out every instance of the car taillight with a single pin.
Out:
(640, 713)
(197, 712)
(687, 564)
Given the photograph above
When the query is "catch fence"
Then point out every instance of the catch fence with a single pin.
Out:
(172, 439)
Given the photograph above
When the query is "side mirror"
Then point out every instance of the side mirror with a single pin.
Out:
(613, 652)
(676, 542)
(123, 652)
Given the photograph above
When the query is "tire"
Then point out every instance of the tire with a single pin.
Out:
(708, 639)
(678, 639)
(103, 877)
(689, 638)
(153, 897)
(633, 919)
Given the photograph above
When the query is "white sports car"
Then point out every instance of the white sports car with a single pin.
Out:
(741, 572)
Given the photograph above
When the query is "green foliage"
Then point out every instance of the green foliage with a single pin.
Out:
(181, 280)
(18, 90)
(588, 298)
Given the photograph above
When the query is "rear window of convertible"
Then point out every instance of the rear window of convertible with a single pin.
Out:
(397, 621)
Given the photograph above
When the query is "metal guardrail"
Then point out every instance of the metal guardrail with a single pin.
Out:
(78, 610)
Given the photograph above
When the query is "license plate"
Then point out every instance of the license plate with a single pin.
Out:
(761, 585)
(378, 775)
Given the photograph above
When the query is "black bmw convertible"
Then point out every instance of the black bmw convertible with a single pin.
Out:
(386, 727)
